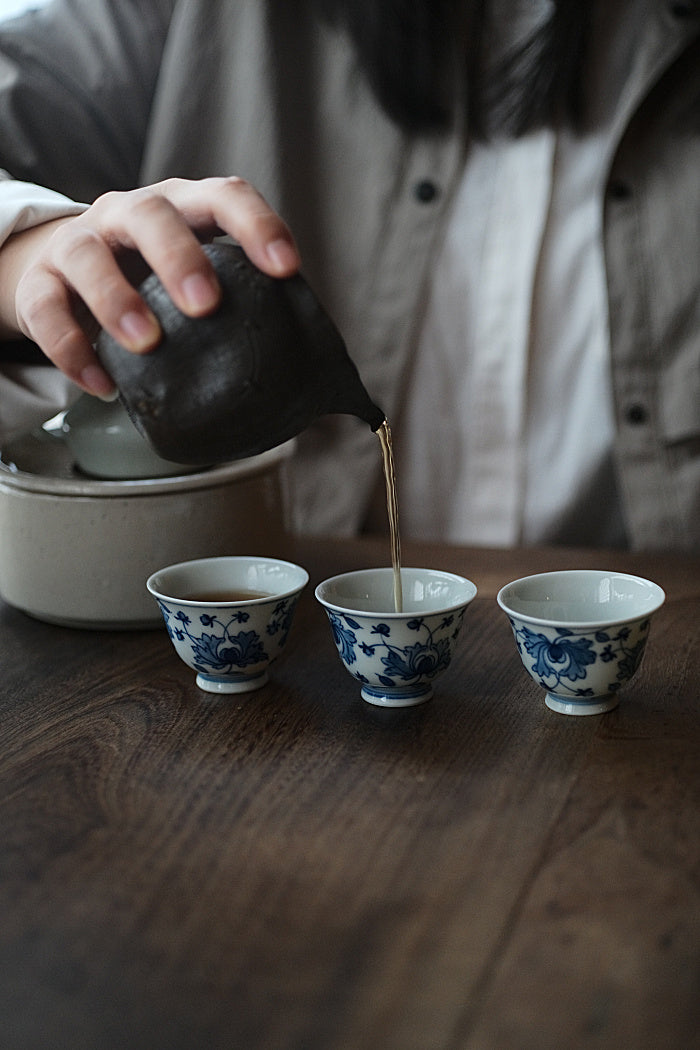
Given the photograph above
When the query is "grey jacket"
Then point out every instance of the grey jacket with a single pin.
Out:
(109, 94)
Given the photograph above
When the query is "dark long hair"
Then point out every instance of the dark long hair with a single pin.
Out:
(418, 56)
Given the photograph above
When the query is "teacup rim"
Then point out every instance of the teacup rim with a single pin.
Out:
(581, 624)
(198, 603)
(386, 570)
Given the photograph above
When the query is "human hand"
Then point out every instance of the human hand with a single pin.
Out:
(68, 278)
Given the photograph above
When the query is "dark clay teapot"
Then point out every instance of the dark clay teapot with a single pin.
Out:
(248, 377)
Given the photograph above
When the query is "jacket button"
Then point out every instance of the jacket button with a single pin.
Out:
(681, 9)
(619, 190)
(425, 191)
(636, 414)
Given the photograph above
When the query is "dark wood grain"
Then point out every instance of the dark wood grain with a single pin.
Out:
(297, 870)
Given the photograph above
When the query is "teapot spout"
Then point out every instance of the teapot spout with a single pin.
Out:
(362, 406)
(348, 395)
(372, 414)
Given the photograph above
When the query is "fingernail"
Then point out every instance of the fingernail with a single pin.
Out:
(200, 293)
(282, 255)
(99, 383)
(140, 330)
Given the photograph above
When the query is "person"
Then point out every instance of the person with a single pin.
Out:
(497, 202)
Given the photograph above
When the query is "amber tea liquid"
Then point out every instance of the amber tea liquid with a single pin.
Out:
(384, 435)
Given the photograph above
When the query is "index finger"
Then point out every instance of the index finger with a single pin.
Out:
(232, 205)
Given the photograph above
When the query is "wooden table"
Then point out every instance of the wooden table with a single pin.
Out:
(296, 870)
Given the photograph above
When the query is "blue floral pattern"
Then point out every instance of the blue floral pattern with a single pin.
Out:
(220, 644)
(404, 666)
(560, 658)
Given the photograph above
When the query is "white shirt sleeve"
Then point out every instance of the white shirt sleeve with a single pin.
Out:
(24, 205)
(30, 394)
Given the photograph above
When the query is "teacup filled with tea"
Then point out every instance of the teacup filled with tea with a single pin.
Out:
(228, 617)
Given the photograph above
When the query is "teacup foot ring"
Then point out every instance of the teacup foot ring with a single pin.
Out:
(596, 705)
(211, 684)
(400, 698)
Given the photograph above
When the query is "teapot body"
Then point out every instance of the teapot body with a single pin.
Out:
(242, 380)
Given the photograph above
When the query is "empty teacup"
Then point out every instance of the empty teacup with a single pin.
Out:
(228, 617)
(396, 656)
(581, 633)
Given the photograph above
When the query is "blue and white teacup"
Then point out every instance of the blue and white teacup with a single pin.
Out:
(581, 633)
(228, 617)
(396, 656)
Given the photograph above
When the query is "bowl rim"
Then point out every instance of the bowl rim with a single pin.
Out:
(11, 477)
(557, 622)
(388, 571)
(197, 603)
